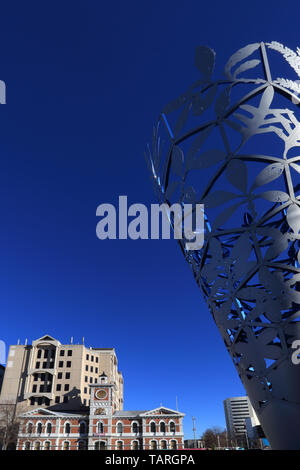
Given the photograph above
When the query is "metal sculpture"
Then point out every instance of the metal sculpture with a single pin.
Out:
(232, 145)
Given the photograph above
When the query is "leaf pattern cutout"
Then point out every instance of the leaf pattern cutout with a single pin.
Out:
(249, 267)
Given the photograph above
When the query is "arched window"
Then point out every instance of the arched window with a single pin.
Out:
(163, 444)
(66, 445)
(29, 428)
(49, 428)
(37, 445)
(82, 428)
(67, 428)
(100, 428)
(27, 445)
(81, 445)
(100, 445)
(153, 445)
(47, 445)
(162, 426)
(135, 427)
(119, 428)
(39, 428)
(135, 445)
(172, 426)
(152, 427)
(119, 445)
(173, 444)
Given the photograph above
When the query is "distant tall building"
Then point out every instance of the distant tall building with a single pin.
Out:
(237, 410)
(48, 373)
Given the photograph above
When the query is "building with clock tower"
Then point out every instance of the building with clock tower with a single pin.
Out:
(103, 427)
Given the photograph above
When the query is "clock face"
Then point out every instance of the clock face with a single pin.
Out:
(101, 394)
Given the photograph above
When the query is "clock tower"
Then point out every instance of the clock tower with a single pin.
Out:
(103, 398)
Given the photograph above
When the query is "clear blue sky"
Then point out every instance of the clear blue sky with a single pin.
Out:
(85, 83)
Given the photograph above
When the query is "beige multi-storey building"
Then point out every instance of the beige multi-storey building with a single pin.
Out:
(50, 374)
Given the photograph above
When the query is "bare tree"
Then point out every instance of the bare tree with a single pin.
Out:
(214, 438)
(9, 424)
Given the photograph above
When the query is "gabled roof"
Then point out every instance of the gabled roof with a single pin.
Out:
(162, 410)
(43, 412)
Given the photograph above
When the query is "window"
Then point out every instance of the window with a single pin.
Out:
(82, 428)
(35, 377)
(39, 354)
(97, 359)
(68, 363)
(119, 428)
(153, 445)
(68, 375)
(29, 428)
(85, 390)
(47, 445)
(61, 364)
(39, 428)
(163, 445)
(173, 445)
(58, 387)
(172, 426)
(135, 445)
(152, 427)
(40, 400)
(100, 428)
(100, 445)
(37, 445)
(70, 352)
(32, 401)
(34, 388)
(47, 401)
(135, 427)
(85, 379)
(66, 445)
(37, 365)
(62, 352)
(162, 427)
(43, 377)
(44, 365)
(41, 388)
(67, 387)
(81, 445)
(59, 375)
(87, 357)
(67, 428)
(96, 370)
(49, 428)
(86, 368)
(65, 399)
(119, 445)
(52, 353)
(57, 399)
(27, 445)
(92, 369)
(92, 358)
(91, 380)
(46, 353)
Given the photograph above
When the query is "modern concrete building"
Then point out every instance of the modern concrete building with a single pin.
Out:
(50, 374)
(237, 410)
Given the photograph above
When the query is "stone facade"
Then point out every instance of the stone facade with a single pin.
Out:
(104, 426)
